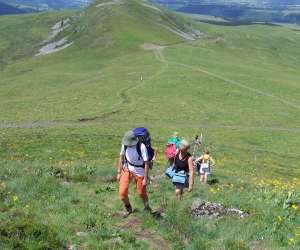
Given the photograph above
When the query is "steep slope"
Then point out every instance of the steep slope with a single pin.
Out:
(6, 9)
(21, 36)
(132, 64)
(100, 34)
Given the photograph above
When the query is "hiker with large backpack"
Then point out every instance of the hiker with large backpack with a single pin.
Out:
(134, 164)
(183, 175)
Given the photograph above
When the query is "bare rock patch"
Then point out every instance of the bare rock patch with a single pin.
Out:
(202, 209)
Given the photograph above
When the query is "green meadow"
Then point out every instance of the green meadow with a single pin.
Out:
(62, 117)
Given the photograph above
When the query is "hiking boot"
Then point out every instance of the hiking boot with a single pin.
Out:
(128, 211)
(148, 209)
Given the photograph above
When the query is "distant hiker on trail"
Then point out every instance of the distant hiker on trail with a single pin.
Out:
(133, 165)
(184, 170)
(206, 162)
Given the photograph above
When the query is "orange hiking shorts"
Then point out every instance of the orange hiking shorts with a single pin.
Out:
(126, 178)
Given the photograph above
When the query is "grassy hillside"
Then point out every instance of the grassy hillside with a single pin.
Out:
(20, 37)
(63, 115)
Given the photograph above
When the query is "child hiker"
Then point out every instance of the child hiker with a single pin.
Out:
(206, 163)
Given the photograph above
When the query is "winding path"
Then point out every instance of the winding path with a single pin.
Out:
(232, 82)
(124, 97)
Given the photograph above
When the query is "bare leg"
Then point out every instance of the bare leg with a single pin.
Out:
(202, 178)
(179, 192)
(205, 178)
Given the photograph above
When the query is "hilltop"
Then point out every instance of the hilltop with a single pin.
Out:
(126, 63)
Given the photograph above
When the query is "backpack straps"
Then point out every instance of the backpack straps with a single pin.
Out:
(139, 151)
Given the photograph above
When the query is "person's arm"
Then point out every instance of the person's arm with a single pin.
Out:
(121, 162)
(191, 174)
(145, 180)
(199, 159)
(155, 149)
(120, 166)
(146, 162)
(211, 163)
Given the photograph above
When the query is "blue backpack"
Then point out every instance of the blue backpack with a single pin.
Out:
(144, 137)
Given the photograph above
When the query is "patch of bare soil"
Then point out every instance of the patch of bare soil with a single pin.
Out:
(34, 124)
(154, 240)
(54, 47)
(87, 119)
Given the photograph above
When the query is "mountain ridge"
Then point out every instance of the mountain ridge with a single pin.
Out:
(43, 5)
(6, 9)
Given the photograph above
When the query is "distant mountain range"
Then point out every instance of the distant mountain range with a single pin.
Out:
(41, 5)
(6, 9)
(240, 11)
(250, 3)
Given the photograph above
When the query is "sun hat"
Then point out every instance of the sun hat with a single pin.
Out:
(129, 139)
(185, 143)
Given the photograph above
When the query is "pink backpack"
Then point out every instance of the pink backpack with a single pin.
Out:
(170, 150)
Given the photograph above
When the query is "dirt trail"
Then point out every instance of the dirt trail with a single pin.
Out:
(182, 34)
(124, 97)
(123, 94)
(232, 82)
(94, 120)
(151, 7)
(154, 240)
(113, 2)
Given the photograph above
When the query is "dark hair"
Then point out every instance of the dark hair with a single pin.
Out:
(206, 151)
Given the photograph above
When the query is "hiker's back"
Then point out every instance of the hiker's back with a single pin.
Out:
(182, 164)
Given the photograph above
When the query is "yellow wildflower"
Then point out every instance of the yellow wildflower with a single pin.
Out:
(295, 207)
(279, 219)
(15, 198)
(291, 241)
